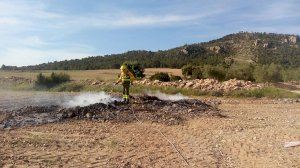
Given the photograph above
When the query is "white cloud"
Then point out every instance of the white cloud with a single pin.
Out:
(281, 10)
(274, 29)
(26, 9)
(130, 20)
(34, 16)
(9, 21)
(276, 10)
(135, 20)
(30, 56)
(31, 33)
(34, 41)
(20, 22)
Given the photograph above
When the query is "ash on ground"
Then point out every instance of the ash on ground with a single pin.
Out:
(142, 108)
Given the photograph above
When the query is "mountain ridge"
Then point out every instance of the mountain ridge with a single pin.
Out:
(241, 47)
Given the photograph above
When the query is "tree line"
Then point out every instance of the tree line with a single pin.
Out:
(264, 50)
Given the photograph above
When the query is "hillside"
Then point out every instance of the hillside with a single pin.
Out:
(244, 47)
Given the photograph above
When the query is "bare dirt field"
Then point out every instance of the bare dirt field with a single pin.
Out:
(252, 135)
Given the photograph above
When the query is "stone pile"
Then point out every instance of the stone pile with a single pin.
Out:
(205, 84)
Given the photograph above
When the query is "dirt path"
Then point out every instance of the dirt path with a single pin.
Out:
(252, 136)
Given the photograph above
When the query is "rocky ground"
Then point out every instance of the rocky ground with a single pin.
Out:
(201, 84)
(205, 84)
(252, 135)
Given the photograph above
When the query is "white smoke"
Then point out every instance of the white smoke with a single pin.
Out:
(86, 99)
(163, 96)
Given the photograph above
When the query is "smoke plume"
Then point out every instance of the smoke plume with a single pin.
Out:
(163, 96)
(86, 99)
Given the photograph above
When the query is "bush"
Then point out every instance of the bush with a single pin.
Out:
(218, 73)
(175, 78)
(241, 72)
(207, 71)
(257, 73)
(291, 74)
(268, 73)
(274, 73)
(187, 70)
(197, 73)
(161, 76)
(52, 80)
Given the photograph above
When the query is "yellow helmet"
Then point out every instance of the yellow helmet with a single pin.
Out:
(123, 67)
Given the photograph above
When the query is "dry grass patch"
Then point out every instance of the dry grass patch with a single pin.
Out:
(103, 74)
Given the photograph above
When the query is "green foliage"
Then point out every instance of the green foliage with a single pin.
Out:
(240, 71)
(136, 69)
(267, 73)
(216, 72)
(175, 78)
(187, 70)
(290, 74)
(193, 72)
(161, 76)
(274, 73)
(197, 73)
(52, 80)
(248, 72)
(206, 71)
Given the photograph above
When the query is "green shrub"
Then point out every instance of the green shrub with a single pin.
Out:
(161, 76)
(197, 73)
(187, 70)
(291, 74)
(249, 72)
(175, 78)
(218, 73)
(241, 72)
(206, 71)
(268, 73)
(52, 80)
(274, 73)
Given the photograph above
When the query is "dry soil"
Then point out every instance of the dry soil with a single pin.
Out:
(253, 135)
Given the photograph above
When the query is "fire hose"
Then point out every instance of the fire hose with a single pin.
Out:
(165, 137)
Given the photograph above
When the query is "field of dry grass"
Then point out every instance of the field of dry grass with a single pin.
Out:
(104, 75)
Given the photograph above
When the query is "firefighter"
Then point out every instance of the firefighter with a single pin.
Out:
(126, 78)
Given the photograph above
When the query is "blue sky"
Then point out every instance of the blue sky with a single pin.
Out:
(33, 32)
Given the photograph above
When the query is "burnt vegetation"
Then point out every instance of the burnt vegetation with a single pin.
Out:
(143, 108)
